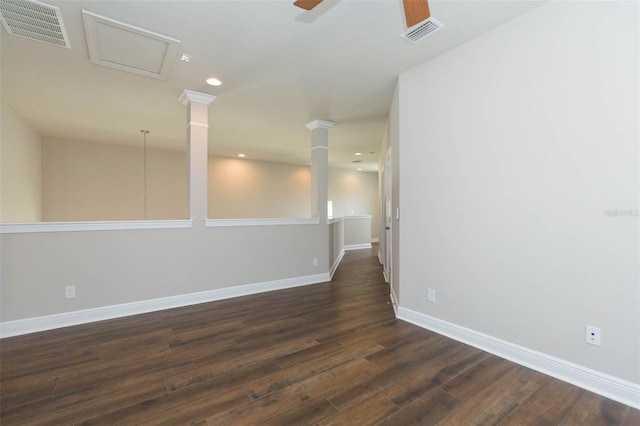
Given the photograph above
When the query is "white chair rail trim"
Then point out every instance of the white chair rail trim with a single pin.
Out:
(212, 223)
(24, 228)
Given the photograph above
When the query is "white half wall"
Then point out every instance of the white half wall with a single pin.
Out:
(20, 169)
(118, 267)
(515, 149)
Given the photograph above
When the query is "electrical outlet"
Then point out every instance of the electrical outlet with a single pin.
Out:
(431, 295)
(592, 335)
(315, 261)
(70, 291)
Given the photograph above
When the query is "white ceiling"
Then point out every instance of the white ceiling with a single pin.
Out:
(281, 67)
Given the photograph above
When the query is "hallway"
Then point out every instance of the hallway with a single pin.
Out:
(329, 353)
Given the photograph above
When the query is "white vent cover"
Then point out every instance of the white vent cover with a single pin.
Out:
(33, 20)
(423, 29)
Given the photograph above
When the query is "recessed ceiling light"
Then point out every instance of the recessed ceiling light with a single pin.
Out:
(358, 153)
(241, 155)
(214, 81)
(185, 57)
(359, 169)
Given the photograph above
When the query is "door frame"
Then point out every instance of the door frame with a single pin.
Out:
(387, 208)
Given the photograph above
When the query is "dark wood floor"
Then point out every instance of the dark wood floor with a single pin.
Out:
(322, 354)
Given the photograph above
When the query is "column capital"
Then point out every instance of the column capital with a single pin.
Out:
(319, 124)
(190, 96)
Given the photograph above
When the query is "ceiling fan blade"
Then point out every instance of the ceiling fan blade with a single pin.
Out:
(307, 4)
(415, 11)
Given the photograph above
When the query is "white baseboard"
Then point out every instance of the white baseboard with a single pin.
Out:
(66, 319)
(336, 264)
(375, 240)
(603, 384)
(357, 246)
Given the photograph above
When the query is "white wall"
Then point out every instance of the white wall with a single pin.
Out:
(241, 188)
(512, 147)
(20, 169)
(93, 181)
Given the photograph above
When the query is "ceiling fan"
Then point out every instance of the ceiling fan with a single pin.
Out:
(415, 11)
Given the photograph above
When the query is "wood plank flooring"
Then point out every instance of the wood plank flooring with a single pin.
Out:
(324, 354)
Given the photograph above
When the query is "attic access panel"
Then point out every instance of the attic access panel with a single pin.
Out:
(126, 47)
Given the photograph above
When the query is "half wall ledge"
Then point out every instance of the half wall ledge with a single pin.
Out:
(39, 227)
(212, 223)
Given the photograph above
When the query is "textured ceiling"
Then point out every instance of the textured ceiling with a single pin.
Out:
(281, 67)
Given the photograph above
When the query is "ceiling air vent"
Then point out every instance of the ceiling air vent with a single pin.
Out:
(33, 20)
(423, 29)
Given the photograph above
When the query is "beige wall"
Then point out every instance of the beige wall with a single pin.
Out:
(506, 176)
(111, 268)
(355, 193)
(20, 169)
(240, 188)
(336, 241)
(93, 182)
(357, 230)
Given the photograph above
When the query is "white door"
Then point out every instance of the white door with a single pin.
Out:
(388, 213)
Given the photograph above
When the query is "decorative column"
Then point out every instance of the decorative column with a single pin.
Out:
(197, 152)
(319, 167)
